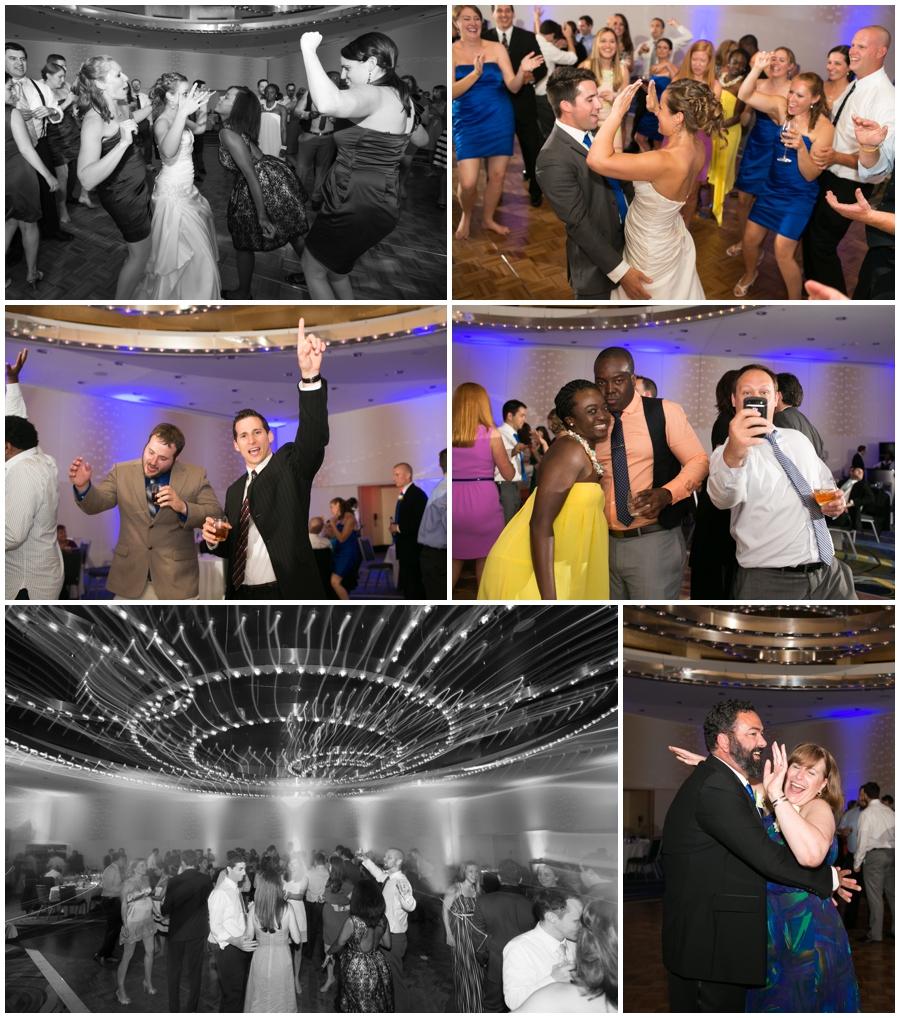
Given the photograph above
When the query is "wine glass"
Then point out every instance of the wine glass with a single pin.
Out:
(784, 128)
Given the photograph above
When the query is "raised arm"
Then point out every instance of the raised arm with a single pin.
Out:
(312, 427)
(94, 168)
(810, 832)
(515, 81)
(329, 100)
(774, 106)
(602, 157)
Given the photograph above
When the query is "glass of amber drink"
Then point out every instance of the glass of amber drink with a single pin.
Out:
(823, 495)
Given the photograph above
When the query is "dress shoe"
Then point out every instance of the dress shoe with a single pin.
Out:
(99, 959)
(295, 279)
(525, 175)
(537, 200)
(867, 940)
(60, 235)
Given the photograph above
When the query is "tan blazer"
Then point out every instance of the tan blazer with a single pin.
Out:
(162, 546)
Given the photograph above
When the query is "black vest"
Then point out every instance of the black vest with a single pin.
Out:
(665, 464)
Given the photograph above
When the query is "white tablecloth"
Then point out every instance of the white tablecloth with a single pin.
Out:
(635, 849)
(87, 893)
(212, 578)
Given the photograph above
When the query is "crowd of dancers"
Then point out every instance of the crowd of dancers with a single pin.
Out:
(539, 939)
(813, 151)
(97, 138)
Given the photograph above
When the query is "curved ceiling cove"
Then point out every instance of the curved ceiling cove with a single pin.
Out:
(324, 701)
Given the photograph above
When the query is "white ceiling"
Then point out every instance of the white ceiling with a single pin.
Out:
(71, 24)
(218, 385)
(861, 333)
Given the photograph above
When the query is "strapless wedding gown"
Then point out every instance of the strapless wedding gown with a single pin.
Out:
(658, 244)
(183, 252)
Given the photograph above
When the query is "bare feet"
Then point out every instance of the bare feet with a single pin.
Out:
(462, 231)
(490, 224)
(64, 216)
(87, 204)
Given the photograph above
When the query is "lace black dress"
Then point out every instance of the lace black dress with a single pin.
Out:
(366, 985)
(283, 197)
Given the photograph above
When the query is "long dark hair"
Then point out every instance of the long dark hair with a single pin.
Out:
(367, 902)
(245, 114)
(384, 49)
(268, 897)
(338, 875)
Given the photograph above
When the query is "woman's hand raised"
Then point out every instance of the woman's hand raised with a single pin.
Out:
(623, 100)
(530, 62)
(652, 98)
(774, 773)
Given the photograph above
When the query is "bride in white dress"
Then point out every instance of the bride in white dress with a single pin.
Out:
(183, 248)
(656, 238)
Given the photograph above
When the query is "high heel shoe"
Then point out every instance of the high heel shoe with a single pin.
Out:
(33, 278)
(121, 997)
(734, 250)
(741, 291)
(148, 989)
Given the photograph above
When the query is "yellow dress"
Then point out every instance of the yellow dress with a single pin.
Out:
(723, 167)
(581, 560)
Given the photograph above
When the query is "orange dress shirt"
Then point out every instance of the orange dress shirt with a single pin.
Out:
(682, 441)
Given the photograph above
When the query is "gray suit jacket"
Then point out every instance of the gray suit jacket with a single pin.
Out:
(586, 203)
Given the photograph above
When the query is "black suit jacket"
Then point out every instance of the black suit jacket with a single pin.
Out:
(409, 516)
(718, 857)
(185, 904)
(586, 203)
(858, 461)
(279, 504)
(861, 495)
(499, 917)
(521, 43)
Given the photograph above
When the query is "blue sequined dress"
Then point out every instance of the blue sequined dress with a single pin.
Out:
(808, 963)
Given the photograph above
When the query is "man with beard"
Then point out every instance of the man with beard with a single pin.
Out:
(718, 859)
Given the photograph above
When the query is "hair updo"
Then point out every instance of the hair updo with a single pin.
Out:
(164, 84)
(695, 101)
(89, 96)
(565, 398)
(386, 54)
(819, 106)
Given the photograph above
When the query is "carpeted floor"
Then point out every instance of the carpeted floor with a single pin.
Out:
(872, 565)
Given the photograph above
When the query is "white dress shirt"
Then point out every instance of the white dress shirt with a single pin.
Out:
(851, 819)
(141, 98)
(259, 567)
(578, 136)
(397, 894)
(553, 57)
(509, 440)
(528, 961)
(678, 35)
(876, 830)
(770, 525)
(32, 96)
(873, 98)
(226, 914)
(33, 556)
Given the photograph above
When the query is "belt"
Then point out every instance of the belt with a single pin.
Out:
(652, 528)
(321, 134)
(258, 586)
(472, 479)
(810, 567)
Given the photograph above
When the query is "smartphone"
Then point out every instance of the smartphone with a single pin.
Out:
(759, 403)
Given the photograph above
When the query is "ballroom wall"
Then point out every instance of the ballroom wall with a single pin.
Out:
(810, 31)
(365, 445)
(862, 747)
(148, 64)
(557, 817)
(850, 404)
(423, 54)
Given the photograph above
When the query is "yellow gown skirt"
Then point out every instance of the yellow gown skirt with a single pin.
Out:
(722, 169)
(581, 559)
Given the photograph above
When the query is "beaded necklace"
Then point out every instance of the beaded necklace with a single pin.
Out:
(591, 454)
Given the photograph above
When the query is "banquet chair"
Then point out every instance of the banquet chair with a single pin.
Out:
(72, 565)
(650, 861)
(70, 899)
(372, 565)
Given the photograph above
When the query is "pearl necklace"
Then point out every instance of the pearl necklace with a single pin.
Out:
(728, 82)
(591, 454)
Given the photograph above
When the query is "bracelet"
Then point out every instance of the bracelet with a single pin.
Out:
(779, 801)
(869, 150)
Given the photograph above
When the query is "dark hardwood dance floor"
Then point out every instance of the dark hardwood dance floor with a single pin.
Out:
(49, 968)
(530, 264)
(645, 984)
(410, 264)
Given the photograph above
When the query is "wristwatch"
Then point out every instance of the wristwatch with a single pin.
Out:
(309, 381)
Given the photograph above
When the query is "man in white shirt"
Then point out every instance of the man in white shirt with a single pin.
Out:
(228, 930)
(585, 34)
(398, 900)
(34, 565)
(871, 96)
(875, 848)
(766, 477)
(545, 954)
(514, 411)
(546, 33)
(848, 827)
(645, 54)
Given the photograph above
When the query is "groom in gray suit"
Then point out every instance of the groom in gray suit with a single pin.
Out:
(593, 207)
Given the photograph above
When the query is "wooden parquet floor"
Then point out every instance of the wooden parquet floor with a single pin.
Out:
(410, 264)
(645, 985)
(530, 264)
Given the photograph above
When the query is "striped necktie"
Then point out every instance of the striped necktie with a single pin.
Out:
(240, 558)
(804, 491)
